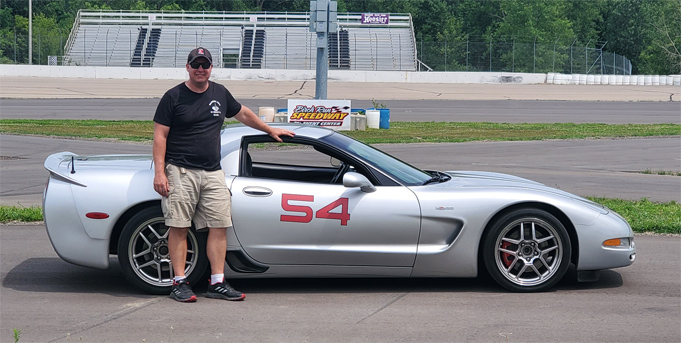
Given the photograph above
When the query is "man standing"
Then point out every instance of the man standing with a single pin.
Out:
(188, 176)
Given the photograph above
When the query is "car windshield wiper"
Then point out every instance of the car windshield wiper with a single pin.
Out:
(437, 177)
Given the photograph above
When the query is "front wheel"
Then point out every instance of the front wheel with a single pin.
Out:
(527, 250)
(144, 257)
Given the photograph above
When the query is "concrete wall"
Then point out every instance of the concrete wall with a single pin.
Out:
(337, 75)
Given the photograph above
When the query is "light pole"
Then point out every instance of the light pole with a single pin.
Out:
(323, 19)
(30, 32)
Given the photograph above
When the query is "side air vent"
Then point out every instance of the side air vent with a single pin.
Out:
(239, 262)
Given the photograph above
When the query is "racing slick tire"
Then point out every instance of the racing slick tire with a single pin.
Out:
(527, 250)
(144, 257)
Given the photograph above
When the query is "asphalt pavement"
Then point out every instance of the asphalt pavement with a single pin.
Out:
(50, 300)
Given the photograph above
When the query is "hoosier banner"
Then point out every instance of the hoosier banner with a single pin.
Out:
(332, 114)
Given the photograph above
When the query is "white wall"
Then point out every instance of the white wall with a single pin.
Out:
(338, 75)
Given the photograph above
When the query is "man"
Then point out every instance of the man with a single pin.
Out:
(188, 176)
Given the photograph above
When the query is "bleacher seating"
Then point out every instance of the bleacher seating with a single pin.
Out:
(236, 40)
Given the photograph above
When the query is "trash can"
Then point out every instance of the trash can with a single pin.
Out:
(384, 122)
(373, 119)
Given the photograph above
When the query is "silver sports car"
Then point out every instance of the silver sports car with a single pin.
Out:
(326, 205)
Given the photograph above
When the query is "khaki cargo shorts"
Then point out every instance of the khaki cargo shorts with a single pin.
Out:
(199, 196)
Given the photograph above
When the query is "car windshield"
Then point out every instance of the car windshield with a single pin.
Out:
(401, 171)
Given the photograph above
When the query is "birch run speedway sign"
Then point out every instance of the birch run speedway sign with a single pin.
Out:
(332, 114)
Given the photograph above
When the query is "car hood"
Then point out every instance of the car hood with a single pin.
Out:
(480, 179)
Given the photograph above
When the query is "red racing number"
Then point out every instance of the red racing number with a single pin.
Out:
(306, 211)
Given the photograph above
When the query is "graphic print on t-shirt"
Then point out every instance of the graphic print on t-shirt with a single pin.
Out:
(215, 108)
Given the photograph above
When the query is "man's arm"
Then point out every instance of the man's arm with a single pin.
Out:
(249, 118)
(159, 154)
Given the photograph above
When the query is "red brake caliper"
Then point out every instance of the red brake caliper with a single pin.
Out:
(506, 258)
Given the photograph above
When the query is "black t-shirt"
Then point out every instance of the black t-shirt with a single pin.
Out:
(195, 121)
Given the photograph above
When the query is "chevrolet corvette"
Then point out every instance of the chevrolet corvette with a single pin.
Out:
(325, 205)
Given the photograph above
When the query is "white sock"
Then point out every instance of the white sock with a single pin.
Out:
(179, 278)
(216, 278)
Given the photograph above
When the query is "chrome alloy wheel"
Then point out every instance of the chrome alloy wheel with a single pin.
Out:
(148, 253)
(528, 252)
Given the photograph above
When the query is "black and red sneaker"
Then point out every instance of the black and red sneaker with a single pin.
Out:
(182, 292)
(222, 290)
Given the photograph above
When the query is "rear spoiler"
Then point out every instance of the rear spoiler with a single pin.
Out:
(52, 165)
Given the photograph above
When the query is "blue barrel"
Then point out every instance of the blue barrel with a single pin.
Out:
(384, 121)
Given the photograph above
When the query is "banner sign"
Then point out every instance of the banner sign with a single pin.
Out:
(375, 18)
(332, 114)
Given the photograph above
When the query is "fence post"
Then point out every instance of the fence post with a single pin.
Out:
(534, 55)
(573, 43)
(513, 56)
(468, 53)
(553, 68)
(445, 54)
(490, 55)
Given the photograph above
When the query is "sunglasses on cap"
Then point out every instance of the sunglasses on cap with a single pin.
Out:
(196, 65)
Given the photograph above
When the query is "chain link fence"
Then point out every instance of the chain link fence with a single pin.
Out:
(470, 55)
(519, 57)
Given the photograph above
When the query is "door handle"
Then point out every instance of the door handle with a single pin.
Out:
(256, 191)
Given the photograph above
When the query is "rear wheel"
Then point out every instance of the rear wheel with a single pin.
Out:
(143, 253)
(527, 250)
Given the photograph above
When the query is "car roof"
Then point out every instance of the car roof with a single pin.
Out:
(236, 131)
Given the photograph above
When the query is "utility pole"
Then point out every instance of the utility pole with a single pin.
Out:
(30, 32)
(323, 19)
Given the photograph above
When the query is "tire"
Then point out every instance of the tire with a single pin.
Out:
(143, 253)
(527, 250)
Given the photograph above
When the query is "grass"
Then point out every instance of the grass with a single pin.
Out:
(643, 215)
(20, 214)
(661, 172)
(399, 132)
(647, 216)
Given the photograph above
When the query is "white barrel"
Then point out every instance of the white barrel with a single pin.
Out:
(266, 114)
(582, 79)
(648, 80)
(550, 77)
(373, 119)
(641, 80)
(612, 80)
(574, 79)
(656, 80)
(590, 79)
(626, 80)
(618, 79)
(677, 80)
(597, 79)
(670, 80)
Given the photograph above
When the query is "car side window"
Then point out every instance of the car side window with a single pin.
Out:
(291, 161)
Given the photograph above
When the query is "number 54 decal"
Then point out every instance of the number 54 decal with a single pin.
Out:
(306, 211)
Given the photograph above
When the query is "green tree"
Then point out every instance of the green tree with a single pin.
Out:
(533, 27)
(662, 55)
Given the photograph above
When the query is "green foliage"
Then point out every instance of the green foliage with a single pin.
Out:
(645, 215)
(648, 32)
(17, 334)
(21, 214)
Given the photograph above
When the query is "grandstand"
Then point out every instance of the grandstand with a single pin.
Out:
(237, 40)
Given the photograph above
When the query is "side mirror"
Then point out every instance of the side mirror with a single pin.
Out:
(352, 180)
(335, 162)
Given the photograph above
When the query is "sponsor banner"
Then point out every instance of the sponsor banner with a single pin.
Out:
(375, 18)
(332, 114)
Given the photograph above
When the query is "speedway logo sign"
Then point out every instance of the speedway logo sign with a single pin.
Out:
(332, 114)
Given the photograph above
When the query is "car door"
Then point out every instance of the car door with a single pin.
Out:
(293, 216)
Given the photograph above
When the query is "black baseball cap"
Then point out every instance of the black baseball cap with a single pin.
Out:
(199, 52)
